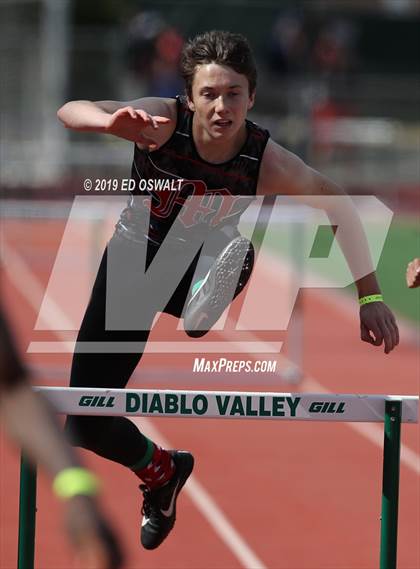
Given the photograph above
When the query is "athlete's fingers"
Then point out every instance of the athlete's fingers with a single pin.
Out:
(393, 330)
(147, 141)
(376, 331)
(161, 120)
(389, 338)
(145, 117)
(364, 334)
(154, 120)
(126, 111)
(392, 326)
(396, 329)
(132, 112)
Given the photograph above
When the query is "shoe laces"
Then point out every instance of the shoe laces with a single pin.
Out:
(148, 501)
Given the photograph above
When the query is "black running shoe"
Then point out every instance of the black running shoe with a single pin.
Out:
(159, 506)
(232, 267)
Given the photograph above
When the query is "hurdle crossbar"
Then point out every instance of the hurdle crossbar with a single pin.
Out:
(392, 410)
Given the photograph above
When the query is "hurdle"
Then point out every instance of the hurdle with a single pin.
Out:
(392, 410)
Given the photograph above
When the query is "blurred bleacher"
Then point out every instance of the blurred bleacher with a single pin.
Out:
(356, 119)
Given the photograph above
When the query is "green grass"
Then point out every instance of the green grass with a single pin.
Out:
(402, 244)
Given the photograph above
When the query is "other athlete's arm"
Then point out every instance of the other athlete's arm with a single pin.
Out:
(148, 121)
(413, 273)
(283, 173)
(30, 421)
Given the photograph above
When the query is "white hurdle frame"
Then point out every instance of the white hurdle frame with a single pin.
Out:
(392, 410)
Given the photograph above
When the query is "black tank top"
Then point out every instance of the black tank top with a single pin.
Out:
(175, 173)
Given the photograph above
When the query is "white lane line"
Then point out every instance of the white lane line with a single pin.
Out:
(278, 266)
(346, 305)
(208, 507)
(374, 433)
(371, 432)
(31, 288)
(25, 281)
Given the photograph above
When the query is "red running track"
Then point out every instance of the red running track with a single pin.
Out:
(301, 495)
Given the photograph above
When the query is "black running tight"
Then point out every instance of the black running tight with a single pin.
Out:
(115, 438)
(107, 365)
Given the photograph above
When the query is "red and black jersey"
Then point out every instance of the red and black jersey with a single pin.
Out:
(185, 187)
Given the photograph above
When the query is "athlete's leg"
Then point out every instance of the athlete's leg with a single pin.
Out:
(115, 438)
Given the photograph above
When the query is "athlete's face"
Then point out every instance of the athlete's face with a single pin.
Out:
(220, 100)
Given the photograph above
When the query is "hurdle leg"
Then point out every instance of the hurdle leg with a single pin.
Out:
(27, 512)
(390, 485)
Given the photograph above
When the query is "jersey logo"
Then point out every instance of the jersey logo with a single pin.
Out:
(195, 203)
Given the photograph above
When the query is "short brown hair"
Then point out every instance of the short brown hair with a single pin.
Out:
(223, 48)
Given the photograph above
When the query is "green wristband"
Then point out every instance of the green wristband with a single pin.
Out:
(75, 481)
(371, 298)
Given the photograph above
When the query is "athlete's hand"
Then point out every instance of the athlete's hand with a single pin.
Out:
(135, 125)
(377, 325)
(413, 274)
(95, 544)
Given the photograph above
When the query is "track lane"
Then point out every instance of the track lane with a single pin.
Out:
(313, 504)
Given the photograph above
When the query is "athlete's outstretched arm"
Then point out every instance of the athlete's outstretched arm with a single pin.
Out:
(145, 121)
(283, 173)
